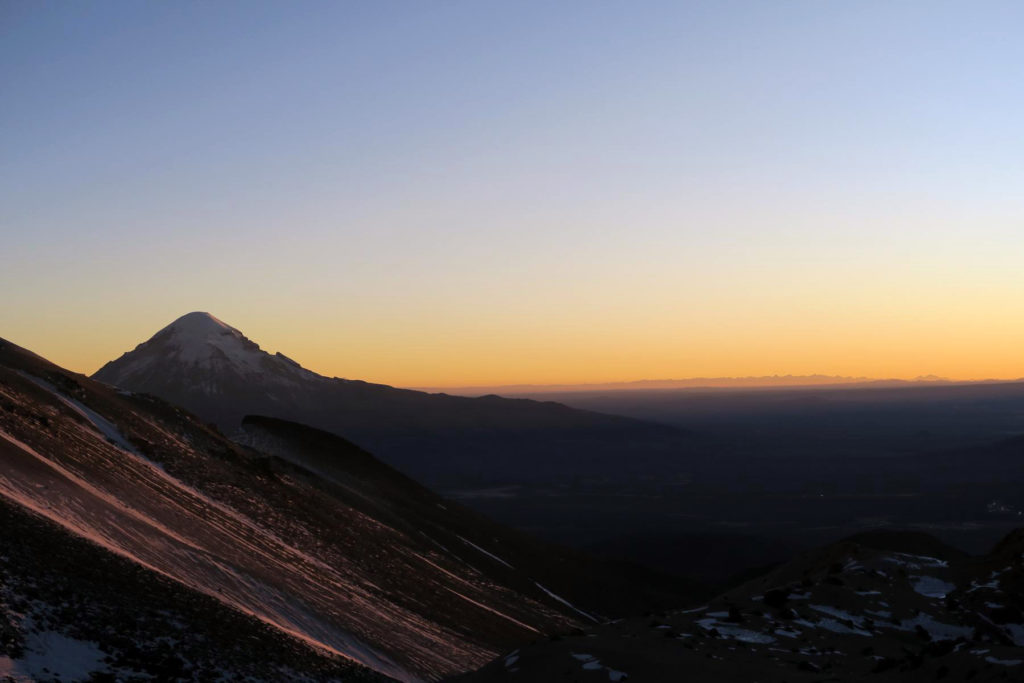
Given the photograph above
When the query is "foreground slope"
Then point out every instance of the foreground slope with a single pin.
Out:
(71, 610)
(326, 560)
(878, 606)
(213, 370)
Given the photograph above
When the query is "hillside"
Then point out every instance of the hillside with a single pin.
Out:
(876, 607)
(340, 563)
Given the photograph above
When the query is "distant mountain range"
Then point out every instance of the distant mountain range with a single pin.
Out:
(767, 381)
(213, 370)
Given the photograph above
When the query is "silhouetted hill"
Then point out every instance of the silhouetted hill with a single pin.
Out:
(214, 371)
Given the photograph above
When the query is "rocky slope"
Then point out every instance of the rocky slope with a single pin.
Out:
(886, 607)
(71, 610)
(346, 561)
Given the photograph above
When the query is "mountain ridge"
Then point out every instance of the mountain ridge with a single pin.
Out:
(213, 370)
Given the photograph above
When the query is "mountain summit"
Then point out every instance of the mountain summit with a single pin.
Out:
(203, 353)
(199, 322)
(201, 339)
(213, 370)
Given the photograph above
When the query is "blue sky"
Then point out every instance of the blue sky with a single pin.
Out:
(402, 191)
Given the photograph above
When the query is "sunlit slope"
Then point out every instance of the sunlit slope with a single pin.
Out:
(149, 482)
(72, 610)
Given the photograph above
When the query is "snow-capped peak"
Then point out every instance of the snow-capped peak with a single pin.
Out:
(200, 350)
(197, 337)
(199, 323)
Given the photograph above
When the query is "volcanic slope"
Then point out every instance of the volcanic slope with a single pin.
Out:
(325, 561)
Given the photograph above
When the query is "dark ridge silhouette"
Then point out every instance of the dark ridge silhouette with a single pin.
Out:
(212, 370)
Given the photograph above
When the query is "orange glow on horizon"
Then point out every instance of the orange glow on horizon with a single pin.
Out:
(956, 311)
(421, 355)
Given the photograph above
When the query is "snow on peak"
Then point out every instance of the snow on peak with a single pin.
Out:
(200, 328)
(199, 323)
(199, 338)
(202, 350)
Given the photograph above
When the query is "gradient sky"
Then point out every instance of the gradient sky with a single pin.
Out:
(452, 193)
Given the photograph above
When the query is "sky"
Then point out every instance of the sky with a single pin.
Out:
(458, 193)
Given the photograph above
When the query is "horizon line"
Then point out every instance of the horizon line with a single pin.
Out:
(742, 382)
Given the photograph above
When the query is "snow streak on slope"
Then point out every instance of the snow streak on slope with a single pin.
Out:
(102, 425)
(568, 604)
(488, 554)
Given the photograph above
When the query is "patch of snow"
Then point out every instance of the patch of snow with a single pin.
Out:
(1016, 633)
(838, 613)
(592, 663)
(1004, 662)
(936, 629)
(568, 604)
(858, 627)
(491, 610)
(740, 634)
(102, 425)
(838, 627)
(931, 587)
(490, 555)
(50, 655)
(991, 585)
(834, 625)
(917, 561)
